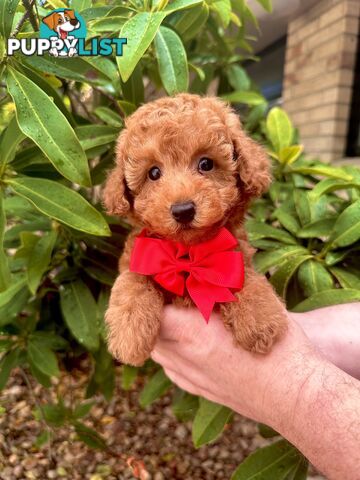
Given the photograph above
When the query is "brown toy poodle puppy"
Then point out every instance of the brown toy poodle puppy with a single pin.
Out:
(188, 151)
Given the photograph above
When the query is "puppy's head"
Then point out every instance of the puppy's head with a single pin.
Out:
(62, 22)
(185, 167)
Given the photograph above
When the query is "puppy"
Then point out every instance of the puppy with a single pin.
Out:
(185, 170)
(62, 23)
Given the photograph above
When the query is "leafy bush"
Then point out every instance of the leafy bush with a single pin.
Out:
(59, 251)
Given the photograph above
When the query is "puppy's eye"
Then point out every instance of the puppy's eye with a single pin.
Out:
(154, 173)
(60, 20)
(205, 164)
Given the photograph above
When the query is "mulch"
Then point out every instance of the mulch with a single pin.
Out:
(142, 443)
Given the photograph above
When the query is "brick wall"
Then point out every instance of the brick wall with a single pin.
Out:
(319, 72)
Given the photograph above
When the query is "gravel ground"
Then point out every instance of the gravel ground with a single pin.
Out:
(150, 441)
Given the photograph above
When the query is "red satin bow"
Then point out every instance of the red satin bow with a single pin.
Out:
(208, 270)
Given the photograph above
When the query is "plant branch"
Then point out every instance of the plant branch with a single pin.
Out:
(28, 4)
(29, 14)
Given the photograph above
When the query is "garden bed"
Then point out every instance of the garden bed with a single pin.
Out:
(133, 435)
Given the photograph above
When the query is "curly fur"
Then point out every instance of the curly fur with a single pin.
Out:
(173, 134)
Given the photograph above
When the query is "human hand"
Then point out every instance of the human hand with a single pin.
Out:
(204, 360)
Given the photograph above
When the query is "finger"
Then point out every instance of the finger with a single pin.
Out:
(180, 324)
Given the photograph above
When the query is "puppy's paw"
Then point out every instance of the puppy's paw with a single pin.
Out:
(259, 337)
(131, 333)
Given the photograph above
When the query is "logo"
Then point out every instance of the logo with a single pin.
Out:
(63, 34)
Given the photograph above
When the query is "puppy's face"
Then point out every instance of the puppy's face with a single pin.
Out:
(62, 22)
(178, 168)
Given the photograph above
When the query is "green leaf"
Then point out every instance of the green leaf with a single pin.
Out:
(133, 89)
(287, 219)
(347, 277)
(43, 438)
(7, 363)
(54, 415)
(109, 116)
(299, 471)
(257, 230)
(128, 376)
(92, 136)
(185, 406)
(7, 12)
(140, 31)
(302, 205)
(272, 462)
(80, 311)
(319, 228)
(328, 297)
(172, 61)
(5, 277)
(43, 379)
(80, 69)
(331, 185)
(155, 387)
(103, 379)
(40, 259)
(89, 436)
(314, 277)
(324, 170)
(189, 23)
(289, 155)
(279, 129)
(334, 257)
(7, 295)
(42, 121)
(263, 261)
(266, 4)
(209, 422)
(223, 11)
(61, 203)
(82, 409)
(347, 227)
(248, 97)
(108, 24)
(176, 5)
(9, 141)
(42, 357)
(281, 278)
(238, 78)
(12, 308)
(80, 5)
(50, 340)
(266, 431)
(40, 79)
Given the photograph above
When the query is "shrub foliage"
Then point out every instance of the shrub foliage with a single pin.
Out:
(59, 251)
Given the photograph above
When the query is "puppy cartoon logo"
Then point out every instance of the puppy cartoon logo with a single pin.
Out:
(66, 26)
(63, 34)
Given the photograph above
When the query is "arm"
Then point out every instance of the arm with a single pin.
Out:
(294, 389)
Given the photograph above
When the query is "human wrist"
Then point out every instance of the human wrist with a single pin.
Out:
(292, 373)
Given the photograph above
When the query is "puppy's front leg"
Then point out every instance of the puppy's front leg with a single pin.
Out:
(133, 318)
(258, 318)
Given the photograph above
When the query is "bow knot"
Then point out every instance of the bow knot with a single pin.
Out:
(210, 271)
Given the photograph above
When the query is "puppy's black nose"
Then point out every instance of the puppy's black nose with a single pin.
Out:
(74, 22)
(183, 212)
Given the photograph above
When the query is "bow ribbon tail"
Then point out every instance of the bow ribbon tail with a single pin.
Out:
(205, 295)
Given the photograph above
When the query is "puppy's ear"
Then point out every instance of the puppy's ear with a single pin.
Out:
(115, 190)
(70, 12)
(252, 161)
(50, 20)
